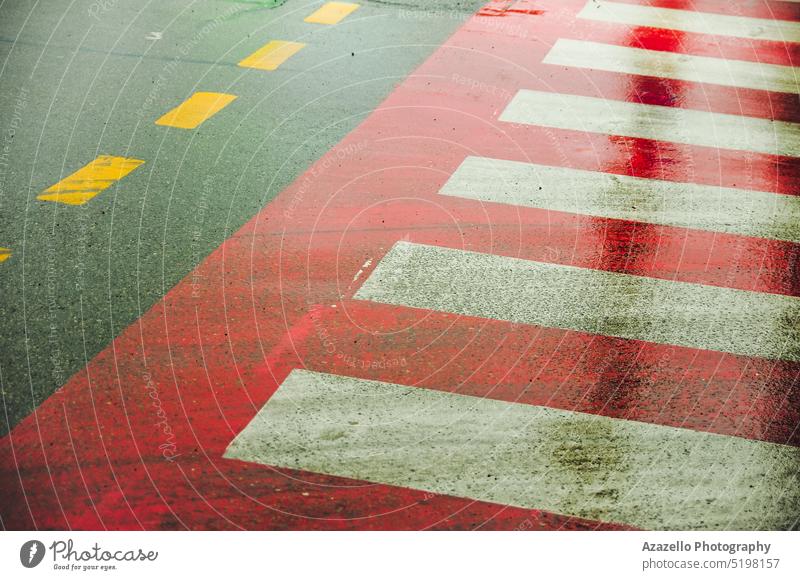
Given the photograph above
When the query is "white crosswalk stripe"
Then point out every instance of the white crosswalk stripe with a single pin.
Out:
(534, 457)
(671, 124)
(594, 193)
(692, 21)
(671, 65)
(587, 300)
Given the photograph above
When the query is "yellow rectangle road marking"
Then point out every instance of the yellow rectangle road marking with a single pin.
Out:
(90, 180)
(5, 254)
(272, 55)
(332, 13)
(195, 110)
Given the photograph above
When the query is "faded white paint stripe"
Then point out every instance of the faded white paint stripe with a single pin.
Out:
(671, 65)
(582, 465)
(692, 21)
(671, 124)
(587, 300)
(686, 205)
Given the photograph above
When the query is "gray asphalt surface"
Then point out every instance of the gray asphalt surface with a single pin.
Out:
(83, 78)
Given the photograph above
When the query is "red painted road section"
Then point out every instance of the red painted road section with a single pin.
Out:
(135, 440)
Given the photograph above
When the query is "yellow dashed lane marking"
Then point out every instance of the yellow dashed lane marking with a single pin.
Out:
(5, 254)
(195, 110)
(272, 55)
(332, 13)
(90, 180)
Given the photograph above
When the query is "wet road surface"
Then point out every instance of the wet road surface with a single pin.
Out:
(550, 282)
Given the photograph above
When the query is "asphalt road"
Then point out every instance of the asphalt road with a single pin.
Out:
(86, 78)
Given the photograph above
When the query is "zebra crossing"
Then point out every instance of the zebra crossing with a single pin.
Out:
(588, 466)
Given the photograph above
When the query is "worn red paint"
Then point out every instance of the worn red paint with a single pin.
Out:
(209, 356)
(506, 7)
